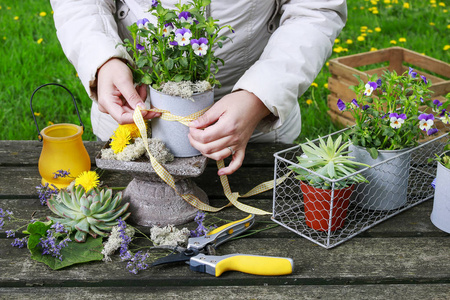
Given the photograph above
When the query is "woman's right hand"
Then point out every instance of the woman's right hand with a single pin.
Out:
(116, 93)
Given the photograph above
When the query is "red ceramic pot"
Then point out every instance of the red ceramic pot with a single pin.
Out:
(319, 210)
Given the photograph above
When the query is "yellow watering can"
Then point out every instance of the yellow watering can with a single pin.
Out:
(62, 148)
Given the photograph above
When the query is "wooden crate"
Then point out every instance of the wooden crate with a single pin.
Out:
(399, 59)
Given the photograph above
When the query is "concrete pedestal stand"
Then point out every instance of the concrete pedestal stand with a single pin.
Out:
(152, 201)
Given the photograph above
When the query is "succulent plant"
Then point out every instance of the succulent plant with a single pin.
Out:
(94, 212)
(329, 160)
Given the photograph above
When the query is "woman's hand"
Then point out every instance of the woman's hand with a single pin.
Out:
(226, 127)
(117, 95)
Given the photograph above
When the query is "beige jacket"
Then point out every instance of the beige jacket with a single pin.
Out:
(277, 50)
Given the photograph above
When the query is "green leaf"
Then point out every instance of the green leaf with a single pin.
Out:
(373, 152)
(73, 253)
(169, 64)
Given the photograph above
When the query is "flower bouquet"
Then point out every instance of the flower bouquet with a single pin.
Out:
(175, 56)
(392, 113)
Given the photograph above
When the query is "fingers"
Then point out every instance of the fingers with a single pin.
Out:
(235, 164)
(209, 117)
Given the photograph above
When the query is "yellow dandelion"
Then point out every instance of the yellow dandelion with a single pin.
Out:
(37, 114)
(446, 47)
(363, 28)
(9, 7)
(377, 29)
(88, 180)
(373, 49)
(327, 63)
(360, 38)
(375, 12)
(133, 129)
(432, 24)
(402, 40)
(50, 123)
(120, 139)
(39, 40)
(442, 4)
(349, 41)
(4, 38)
(0, 7)
(433, 5)
(432, 1)
(16, 18)
(374, 2)
(363, 34)
(369, 30)
(361, 7)
(445, 11)
(325, 85)
(337, 49)
(393, 42)
(309, 101)
(387, 1)
(337, 41)
(395, 1)
(42, 13)
(448, 26)
(406, 5)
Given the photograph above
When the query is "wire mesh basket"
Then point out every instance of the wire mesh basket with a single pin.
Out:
(331, 217)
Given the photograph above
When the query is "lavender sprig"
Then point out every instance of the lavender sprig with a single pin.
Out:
(50, 243)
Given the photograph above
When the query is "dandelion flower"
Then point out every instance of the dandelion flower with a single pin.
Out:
(442, 4)
(120, 139)
(39, 40)
(42, 13)
(309, 101)
(393, 42)
(349, 41)
(325, 85)
(446, 47)
(360, 38)
(16, 18)
(377, 29)
(402, 40)
(314, 84)
(37, 114)
(88, 180)
(432, 24)
(373, 49)
(133, 130)
(406, 5)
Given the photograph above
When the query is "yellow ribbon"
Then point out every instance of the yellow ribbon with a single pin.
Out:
(191, 199)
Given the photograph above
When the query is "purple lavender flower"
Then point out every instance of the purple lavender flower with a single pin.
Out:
(412, 73)
(45, 192)
(125, 254)
(341, 105)
(50, 244)
(137, 262)
(3, 215)
(379, 82)
(61, 173)
(20, 242)
(424, 79)
(432, 131)
(140, 47)
(141, 22)
(10, 233)
(355, 103)
(58, 227)
(154, 3)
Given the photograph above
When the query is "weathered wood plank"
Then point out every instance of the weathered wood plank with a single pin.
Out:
(349, 292)
(27, 153)
(360, 261)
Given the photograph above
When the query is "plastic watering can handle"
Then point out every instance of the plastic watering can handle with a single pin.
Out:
(32, 111)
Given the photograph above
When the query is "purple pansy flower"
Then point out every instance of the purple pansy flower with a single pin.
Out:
(432, 131)
(365, 107)
(437, 102)
(154, 3)
(370, 86)
(183, 36)
(173, 43)
(412, 73)
(168, 28)
(185, 16)
(397, 120)
(426, 121)
(140, 47)
(141, 22)
(341, 105)
(355, 103)
(200, 46)
(445, 116)
(379, 82)
(424, 79)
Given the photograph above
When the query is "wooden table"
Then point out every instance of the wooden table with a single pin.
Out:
(405, 257)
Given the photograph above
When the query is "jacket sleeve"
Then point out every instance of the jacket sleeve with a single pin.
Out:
(88, 35)
(294, 55)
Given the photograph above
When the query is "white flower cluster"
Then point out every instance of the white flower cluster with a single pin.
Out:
(114, 241)
(185, 89)
(169, 235)
(137, 149)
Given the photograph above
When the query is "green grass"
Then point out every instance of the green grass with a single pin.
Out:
(26, 64)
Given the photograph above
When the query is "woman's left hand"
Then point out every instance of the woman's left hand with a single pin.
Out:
(226, 127)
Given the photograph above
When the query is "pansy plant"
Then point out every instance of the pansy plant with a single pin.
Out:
(394, 111)
(178, 47)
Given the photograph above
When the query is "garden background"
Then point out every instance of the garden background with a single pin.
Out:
(31, 56)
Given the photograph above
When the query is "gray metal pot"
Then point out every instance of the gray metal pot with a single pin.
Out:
(388, 178)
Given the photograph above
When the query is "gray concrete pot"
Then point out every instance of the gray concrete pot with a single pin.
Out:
(173, 133)
(440, 216)
(388, 179)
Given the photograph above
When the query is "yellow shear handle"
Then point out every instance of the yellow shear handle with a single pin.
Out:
(257, 265)
(223, 227)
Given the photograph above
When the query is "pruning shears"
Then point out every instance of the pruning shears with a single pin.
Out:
(200, 254)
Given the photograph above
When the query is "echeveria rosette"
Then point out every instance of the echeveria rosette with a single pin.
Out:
(386, 111)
